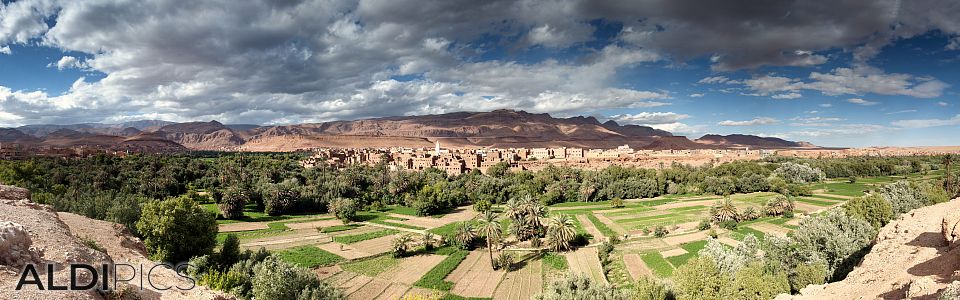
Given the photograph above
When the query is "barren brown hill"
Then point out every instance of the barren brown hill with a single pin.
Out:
(10, 135)
(202, 135)
(743, 140)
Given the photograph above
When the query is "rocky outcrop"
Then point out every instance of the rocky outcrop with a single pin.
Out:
(13, 193)
(910, 260)
(950, 229)
(16, 247)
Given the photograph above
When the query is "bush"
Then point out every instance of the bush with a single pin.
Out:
(229, 251)
(231, 203)
(576, 287)
(177, 229)
(699, 278)
(872, 208)
(903, 196)
(616, 203)
(650, 289)
(835, 237)
(660, 231)
(344, 209)
(807, 274)
(280, 198)
(482, 206)
(704, 225)
(275, 279)
(951, 292)
(754, 282)
(504, 261)
(712, 233)
(798, 173)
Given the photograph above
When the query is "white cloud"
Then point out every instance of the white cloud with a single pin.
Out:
(847, 81)
(787, 96)
(902, 111)
(863, 102)
(754, 122)
(67, 62)
(717, 80)
(815, 121)
(826, 105)
(5, 50)
(649, 118)
(924, 123)
(680, 128)
(941, 103)
(837, 130)
(697, 95)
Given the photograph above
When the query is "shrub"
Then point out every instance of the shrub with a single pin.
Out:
(229, 251)
(951, 292)
(728, 260)
(903, 196)
(798, 173)
(279, 198)
(754, 282)
(650, 289)
(401, 244)
(275, 279)
(712, 233)
(616, 203)
(872, 208)
(704, 225)
(660, 231)
(504, 261)
(852, 179)
(841, 241)
(231, 203)
(807, 274)
(934, 193)
(376, 206)
(699, 278)
(576, 287)
(344, 209)
(177, 229)
(482, 206)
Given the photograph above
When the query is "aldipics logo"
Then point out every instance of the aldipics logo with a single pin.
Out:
(104, 277)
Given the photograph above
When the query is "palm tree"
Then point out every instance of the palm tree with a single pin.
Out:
(724, 211)
(464, 235)
(490, 229)
(947, 161)
(401, 244)
(560, 232)
(779, 205)
(428, 241)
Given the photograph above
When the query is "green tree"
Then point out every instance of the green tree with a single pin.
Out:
(841, 241)
(229, 251)
(871, 208)
(724, 211)
(700, 279)
(490, 230)
(177, 229)
(232, 202)
(464, 235)
(650, 289)
(275, 279)
(576, 287)
(753, 282)
(344, 209)
(560, 232)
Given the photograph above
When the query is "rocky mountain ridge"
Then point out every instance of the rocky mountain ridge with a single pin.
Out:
(499, 128)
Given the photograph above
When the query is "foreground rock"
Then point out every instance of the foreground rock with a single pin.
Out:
(911, 260)
(36, 234)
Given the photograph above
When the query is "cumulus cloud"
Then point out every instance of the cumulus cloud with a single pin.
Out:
(941, 103)
(826, 105)
(5, 50)
(787, 96)
(925, 123)
(696, 95)
(849, 81)
(648, 118)
(754, 122)
(67, 62)
(863, 102)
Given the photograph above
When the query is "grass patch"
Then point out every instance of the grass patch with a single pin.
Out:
(350, 239)
(828, 197)
(394, 224)
(647, 218)
(814, 201)
(742, 232)
(555, 261)
(844, 188)
(601, 226)
(576, 204)
(688, 208)
(458, 297)
(661, 267)
(339, 228)
(272, 229)
(693, 250)
(373, 266)
(434, 278)
(309, 256)
(618, 275)
(448, 229)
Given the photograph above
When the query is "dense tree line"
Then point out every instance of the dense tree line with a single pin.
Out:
(114, 188)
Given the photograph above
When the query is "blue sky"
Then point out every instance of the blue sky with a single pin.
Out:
(877, 73)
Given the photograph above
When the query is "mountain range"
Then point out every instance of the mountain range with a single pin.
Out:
(499, 129)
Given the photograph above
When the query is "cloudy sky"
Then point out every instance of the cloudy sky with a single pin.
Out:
(836, 73)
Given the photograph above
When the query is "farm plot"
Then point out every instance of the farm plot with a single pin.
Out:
(521, 284)
(585, 261)
(474, 277)
(241, 226)
(287, 241)
(589, 228)
(412, 268)
(768, 228)
(635, 266)
(314, 224)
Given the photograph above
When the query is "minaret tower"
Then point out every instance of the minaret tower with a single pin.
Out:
(436, 150)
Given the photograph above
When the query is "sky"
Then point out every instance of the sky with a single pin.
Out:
(834, 73)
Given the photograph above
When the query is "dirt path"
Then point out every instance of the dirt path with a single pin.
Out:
(375, 246)
(686, 204)
(474, 277)
(288, 241)
(728, 241)
(673, 252)
(393, 292)
(241, 226)
(586, 262)
(345, 251)
(354, 284)
(768, 228)
(806, 207)
(588, 226)
(636, 267)
(677, 240)
(646, 244)
(521, 284)
(314, 224)
(411, 268)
